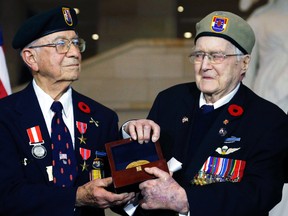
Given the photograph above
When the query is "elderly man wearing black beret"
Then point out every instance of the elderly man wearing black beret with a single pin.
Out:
(231, 142)
(50, 134)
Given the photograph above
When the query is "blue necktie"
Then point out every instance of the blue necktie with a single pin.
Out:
(63, 156)
(207, 108)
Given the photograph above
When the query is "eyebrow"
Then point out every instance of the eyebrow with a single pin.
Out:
(213, 51)
(64, 37)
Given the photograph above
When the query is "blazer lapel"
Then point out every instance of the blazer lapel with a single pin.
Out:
(31, 116)
(86, 132)
(223, 127)
(185, 124)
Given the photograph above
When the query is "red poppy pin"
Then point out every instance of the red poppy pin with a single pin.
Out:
(84, 107)
(235, 110)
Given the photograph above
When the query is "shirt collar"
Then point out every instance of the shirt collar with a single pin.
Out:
(46, 101)
(222, 101)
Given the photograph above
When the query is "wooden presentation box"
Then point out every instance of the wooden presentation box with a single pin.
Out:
(128, 158)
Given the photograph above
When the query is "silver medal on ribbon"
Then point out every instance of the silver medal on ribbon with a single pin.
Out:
(39, 151)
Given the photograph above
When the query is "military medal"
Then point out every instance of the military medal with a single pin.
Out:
(85, 154)
(217, 169)
(38, 150)
(97, 171)
(82, 127)
(137, 163)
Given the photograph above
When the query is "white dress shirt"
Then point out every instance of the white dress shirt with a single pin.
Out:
(45, 102)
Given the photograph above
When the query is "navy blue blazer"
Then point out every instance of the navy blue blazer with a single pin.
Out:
(25, 188)
(259, 134)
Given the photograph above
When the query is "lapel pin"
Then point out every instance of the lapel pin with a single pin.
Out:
(93, 121)
(222, 132)
(185, 119)
(25, 162)
(232, 139)
(225, 150)
(226, 121)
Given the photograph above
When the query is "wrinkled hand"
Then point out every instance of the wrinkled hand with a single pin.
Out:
(94, 194)
(143, 130)
(163, 192)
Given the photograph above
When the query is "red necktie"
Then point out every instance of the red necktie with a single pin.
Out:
(63, 156)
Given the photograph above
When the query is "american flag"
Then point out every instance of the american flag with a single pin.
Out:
(5, 88)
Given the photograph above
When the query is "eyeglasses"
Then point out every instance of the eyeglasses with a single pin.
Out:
(63, 45)
(214, 57)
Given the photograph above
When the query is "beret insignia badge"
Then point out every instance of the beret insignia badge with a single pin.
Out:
(67, 16)
(219, 24)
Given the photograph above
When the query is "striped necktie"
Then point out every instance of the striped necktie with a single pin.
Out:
(63, 156)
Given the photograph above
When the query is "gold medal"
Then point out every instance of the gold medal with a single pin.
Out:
(137, 163)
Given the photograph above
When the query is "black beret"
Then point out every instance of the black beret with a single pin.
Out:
(57, 19)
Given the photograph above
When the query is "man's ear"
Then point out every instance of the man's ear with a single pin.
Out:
(29, 56)
(244, 65)
(245, 62)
